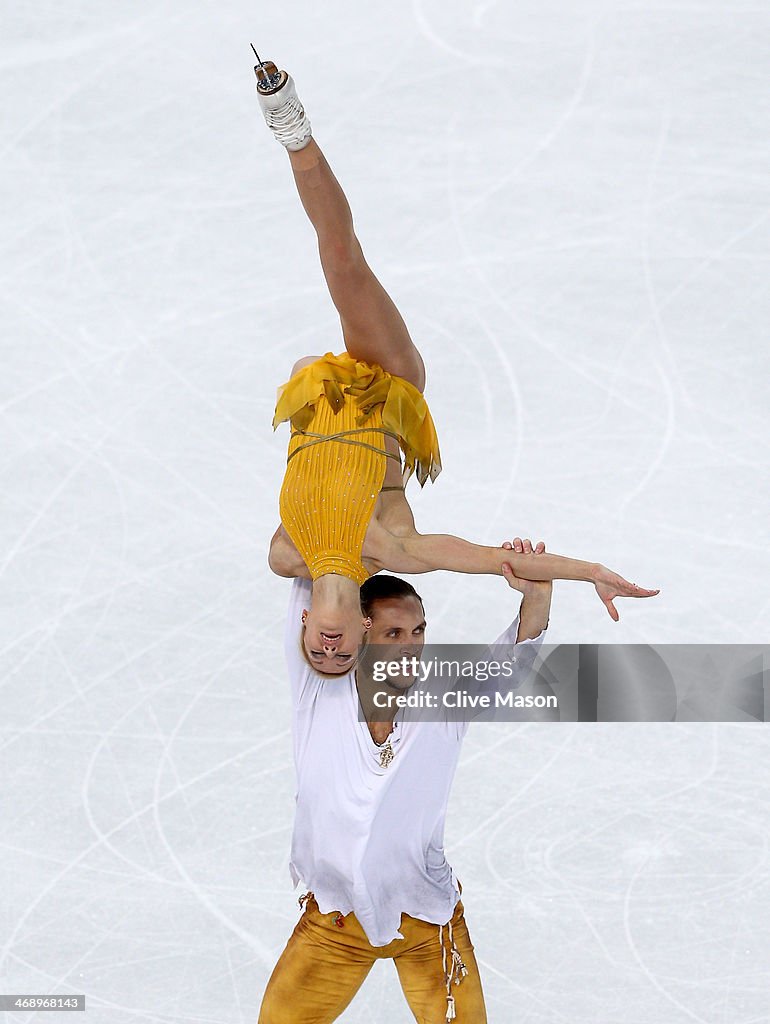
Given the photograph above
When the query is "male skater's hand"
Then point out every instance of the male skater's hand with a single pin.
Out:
(526, 587)
(536, 603)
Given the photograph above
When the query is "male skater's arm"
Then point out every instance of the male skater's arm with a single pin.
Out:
(531, 622)
(519, 644)
(303, 681)
(534, 612)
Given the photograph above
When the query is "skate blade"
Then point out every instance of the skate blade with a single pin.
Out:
(269, 78)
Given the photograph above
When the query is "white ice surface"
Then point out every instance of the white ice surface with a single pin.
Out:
(569, 203)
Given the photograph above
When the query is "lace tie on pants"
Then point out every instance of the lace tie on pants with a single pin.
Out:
(453, 966)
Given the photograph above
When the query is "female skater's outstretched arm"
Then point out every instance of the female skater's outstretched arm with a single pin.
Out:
(418, 553)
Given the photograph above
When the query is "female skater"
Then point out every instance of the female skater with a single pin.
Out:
(344, 514)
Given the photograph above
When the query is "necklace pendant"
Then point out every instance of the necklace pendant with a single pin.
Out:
(386, 755)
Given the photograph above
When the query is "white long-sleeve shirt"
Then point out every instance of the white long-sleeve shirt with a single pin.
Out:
(370, 839)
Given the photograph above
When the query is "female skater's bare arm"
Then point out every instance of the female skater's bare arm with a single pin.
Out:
(426, 552)
(420, 553)
(284, 559)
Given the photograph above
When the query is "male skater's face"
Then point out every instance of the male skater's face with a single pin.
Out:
(399, 621)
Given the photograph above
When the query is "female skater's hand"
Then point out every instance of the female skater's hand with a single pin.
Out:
(525, 587)
(610, 585)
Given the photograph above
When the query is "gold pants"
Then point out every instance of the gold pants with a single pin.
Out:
(328, 956)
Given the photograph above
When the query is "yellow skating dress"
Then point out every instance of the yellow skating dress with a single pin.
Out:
(340, 410)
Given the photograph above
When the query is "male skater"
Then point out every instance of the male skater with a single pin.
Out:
(368, 838)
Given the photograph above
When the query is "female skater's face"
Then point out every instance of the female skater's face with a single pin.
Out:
(331, 641)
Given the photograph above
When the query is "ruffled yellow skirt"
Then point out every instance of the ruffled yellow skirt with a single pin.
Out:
(340, 409)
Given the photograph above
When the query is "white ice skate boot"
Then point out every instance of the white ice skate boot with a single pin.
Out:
(280, 105)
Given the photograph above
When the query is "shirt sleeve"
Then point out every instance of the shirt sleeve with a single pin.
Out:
(526, 648)
(304, 682)
(504, 649)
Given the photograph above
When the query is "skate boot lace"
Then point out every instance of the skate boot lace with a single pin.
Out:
(288, 123)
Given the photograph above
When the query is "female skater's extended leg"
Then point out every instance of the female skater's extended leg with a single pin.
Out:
(373, 329)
